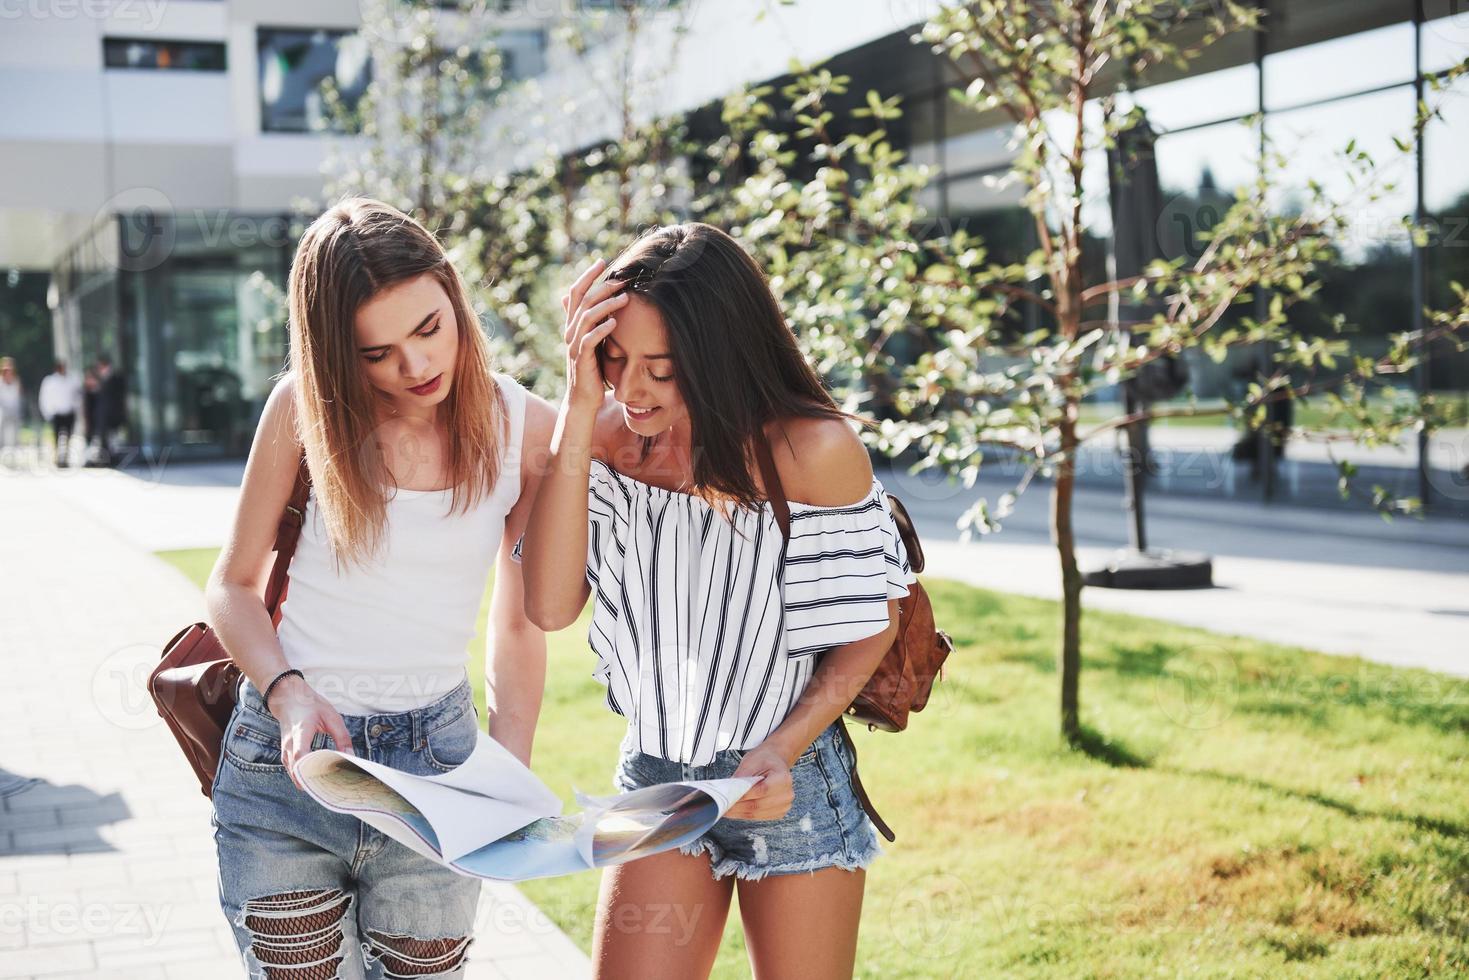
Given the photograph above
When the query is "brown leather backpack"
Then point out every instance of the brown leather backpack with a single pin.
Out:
(196, 684)
(905, 677)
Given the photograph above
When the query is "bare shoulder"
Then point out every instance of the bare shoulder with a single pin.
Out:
(822, 461)
(535, 440)
(540, 420)
(278, 417)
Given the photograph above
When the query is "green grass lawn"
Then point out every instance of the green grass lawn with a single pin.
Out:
(1241, 809)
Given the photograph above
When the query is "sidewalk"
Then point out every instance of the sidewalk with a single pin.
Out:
(107, 863)
(1196, 461)
(1337, 581)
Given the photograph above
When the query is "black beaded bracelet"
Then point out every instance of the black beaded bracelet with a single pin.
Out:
(278, 677)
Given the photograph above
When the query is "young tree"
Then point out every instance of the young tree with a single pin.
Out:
(1051, 67)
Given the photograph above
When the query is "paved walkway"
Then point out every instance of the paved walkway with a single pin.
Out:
(106, 862)
(1334, 580)
(1337, 581)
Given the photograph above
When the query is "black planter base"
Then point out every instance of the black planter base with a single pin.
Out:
(1160, 569)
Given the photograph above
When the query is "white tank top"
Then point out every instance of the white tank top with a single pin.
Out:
(392, 634)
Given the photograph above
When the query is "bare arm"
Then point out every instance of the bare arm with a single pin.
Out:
(555, 548)
(515, 662)
(235, 593)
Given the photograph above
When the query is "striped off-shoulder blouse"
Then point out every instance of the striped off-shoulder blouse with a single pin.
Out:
(705, 625)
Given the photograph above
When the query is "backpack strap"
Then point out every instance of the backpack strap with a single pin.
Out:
(287, 534)
(775, 493)
(774, 490)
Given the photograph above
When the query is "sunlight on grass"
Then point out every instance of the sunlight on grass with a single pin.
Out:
(1239, 808)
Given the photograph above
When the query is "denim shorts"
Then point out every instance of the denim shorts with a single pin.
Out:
(301, 884)
(825, 827)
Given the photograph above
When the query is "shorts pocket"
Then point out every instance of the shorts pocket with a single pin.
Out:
(252, 745)
(826, 740)
(447, 746)
(805, 758)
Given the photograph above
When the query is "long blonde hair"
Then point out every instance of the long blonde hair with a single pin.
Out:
(350, 254)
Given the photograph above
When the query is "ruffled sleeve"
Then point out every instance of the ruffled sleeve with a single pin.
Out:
(603, 496)
(842, 566)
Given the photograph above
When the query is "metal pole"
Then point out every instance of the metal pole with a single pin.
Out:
(1264, 444)
(1134, 475)
(1421, 375)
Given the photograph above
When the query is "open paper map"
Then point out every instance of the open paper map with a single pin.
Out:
(492, 818)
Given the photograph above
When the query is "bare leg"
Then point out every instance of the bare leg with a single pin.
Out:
(803, 925)
(661, 916)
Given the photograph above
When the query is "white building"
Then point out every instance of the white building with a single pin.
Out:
(152, 150)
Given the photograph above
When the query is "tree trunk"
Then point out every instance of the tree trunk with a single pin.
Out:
(1068, 663)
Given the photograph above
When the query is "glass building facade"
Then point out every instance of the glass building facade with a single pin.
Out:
(1321, 75)
(189, 307)
(192, 310)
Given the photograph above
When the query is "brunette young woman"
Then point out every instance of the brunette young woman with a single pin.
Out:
(422, 473)
(728, 650)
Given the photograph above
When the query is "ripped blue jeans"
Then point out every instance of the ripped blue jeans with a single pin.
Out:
(825, 827)
(312, 894)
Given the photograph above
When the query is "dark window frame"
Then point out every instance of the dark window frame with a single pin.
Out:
(262, 31)
(115, 43)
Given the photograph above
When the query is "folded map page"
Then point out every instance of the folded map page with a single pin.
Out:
(492, 818)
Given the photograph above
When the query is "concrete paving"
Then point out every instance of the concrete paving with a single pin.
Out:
(1328, 579)
(1337, 581)
(107, 865)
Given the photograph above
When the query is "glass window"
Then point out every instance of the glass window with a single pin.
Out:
(618, 4)
(1311, 140)
(1446, 35)
(1340, 66)
(1225, 94)
(981, 150)
(293, 66)
(982, 193)
(1369, 282)
(1446, 201)
(523, 52)
(122, 52)
(1199, 171)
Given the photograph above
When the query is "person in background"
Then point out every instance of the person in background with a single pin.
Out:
(60, 397)
(111, 408)
(11, 402)
(90, 387)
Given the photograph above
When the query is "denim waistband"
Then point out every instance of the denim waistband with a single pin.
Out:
(409, 727)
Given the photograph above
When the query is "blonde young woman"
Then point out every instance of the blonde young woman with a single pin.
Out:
(422, 466)
(730, 651)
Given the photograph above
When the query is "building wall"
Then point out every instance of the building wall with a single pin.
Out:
(76, 137)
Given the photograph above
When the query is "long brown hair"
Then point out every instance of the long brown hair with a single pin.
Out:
(350, 254)
(736, 361)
